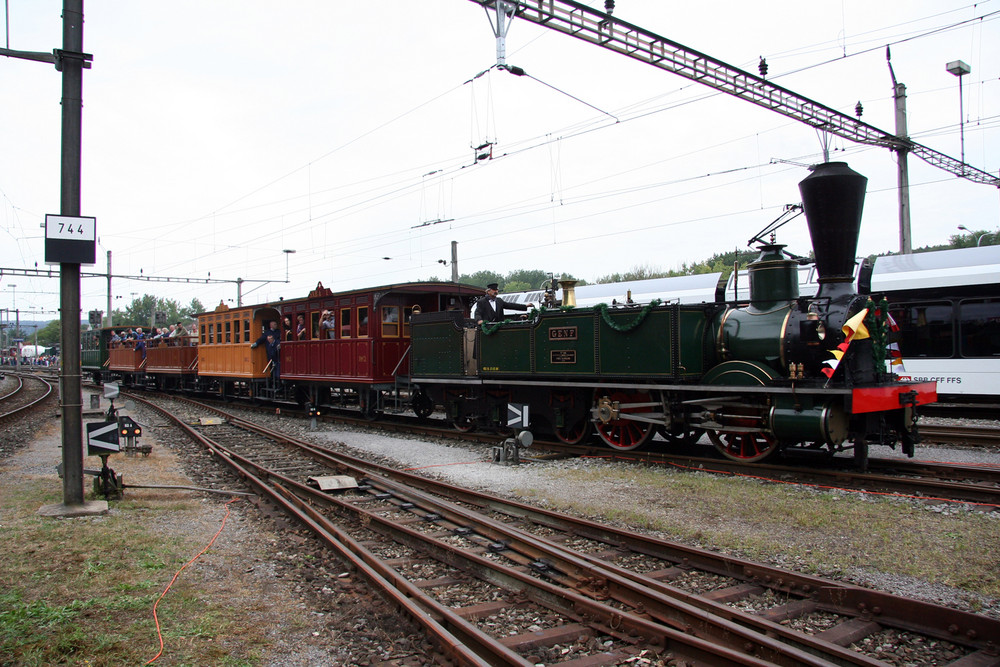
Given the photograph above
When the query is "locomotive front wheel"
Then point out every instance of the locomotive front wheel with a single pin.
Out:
(575, 434)
(620, 432)
(745, 447)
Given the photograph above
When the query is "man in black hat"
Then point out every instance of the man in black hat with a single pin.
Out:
(490, 308)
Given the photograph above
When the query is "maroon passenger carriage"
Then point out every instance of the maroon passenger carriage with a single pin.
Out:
(364, 358)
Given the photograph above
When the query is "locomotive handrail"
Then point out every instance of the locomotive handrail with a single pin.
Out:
(401, 359)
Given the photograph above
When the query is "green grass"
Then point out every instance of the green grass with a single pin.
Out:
(81, 591)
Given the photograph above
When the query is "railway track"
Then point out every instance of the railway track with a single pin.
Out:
(919, 479)
(499, 582)
(981, 436)
(30, 390)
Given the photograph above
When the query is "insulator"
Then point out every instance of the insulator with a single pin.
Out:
(762, 67)
(609, 6)
(858, 109)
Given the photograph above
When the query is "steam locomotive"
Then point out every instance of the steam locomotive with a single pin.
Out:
(781, 372)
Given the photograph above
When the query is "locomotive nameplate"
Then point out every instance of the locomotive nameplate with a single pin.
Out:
(562, 357)
(562, 333)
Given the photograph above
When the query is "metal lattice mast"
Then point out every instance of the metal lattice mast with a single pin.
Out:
(591, 25)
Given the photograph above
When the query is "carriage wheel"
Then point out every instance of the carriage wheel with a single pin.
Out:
(575, 434)
(745, 447)
(464, 424)
(624, 434)
(422, 405)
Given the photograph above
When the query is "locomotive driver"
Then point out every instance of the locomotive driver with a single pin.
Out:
(490, 307)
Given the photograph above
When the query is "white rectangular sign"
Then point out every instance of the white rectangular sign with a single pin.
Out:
(70, 228)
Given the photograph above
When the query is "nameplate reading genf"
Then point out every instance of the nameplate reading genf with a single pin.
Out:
(70, 239)
(562, 333)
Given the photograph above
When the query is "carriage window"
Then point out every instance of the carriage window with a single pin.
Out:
(211, 332)
(390, 321)
(362, 321)
(979, 327)
(345, 323)
(203, 334)
(925, 329)
(229, 330)
(246, 331)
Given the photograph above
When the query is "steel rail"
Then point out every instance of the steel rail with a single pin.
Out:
(727, 643)
(715, 640)
(838, 597)
(21, 389)
(600, 579)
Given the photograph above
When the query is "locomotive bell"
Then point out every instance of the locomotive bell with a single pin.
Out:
(833, 197)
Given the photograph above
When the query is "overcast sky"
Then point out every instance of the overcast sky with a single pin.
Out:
(218, 134)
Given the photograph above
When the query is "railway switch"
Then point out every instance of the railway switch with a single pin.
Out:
(509, 451)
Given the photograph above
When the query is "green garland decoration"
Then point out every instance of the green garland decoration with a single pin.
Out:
(490, 328)
(877, 322)
(624, 328)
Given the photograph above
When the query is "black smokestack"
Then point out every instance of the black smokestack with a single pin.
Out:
(833, 196)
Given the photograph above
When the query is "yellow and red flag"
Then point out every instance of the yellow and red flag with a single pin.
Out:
(853, 329)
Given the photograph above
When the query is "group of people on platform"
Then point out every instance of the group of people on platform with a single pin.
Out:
(176, 334)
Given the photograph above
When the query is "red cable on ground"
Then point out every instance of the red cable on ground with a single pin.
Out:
(196, 557)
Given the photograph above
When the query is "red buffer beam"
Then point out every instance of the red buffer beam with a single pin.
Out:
(596, 27)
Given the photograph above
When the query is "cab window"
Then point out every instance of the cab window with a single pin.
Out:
(229, 332)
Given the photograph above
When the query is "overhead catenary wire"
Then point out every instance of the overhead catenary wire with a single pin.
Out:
(299, 219)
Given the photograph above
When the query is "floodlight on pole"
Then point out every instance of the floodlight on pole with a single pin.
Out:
(960, 69)
(979, 239)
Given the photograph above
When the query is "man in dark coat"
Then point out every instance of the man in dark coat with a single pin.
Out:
(490, 307)
(271, 340)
